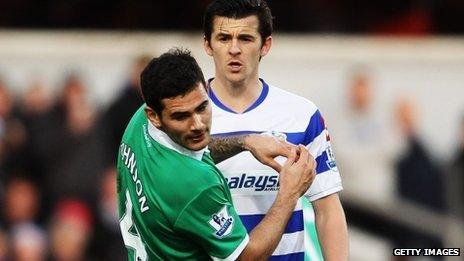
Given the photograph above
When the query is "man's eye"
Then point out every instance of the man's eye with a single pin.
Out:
(202, 108)
(180, 117)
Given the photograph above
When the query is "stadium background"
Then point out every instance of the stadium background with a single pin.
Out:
(387, 75)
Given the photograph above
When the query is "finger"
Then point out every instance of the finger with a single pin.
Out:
(290, 159)
(287, 148)
(297, 153)
(275, 165)
(313, 176)
(290, 146)
(311, 158)
(312, 166)
(304, 154)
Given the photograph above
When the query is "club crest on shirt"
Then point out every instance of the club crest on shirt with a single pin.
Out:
(222, 222)
(278, 135)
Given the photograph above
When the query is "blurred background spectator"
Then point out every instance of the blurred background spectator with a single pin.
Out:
(120, 111)
(3, 245)
(66, 146)
(27, 239)
(367, 140)
(5, 107)
(70, 230)
(455, 179)
(28, 243)
(22, 202)
(106, 241)
(419, 178)
(13, 135)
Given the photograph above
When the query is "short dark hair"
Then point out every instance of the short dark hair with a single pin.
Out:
(239, 9)
(174, 73)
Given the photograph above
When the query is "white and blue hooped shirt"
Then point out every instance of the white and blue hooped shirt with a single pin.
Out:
(253, 185)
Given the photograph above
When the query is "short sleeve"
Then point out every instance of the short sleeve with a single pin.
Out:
(317, 141)
(211, 220)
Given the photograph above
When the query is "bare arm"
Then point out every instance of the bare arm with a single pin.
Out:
(224, 148)
(331, 228)
(265, 237)
(295, 178)
(264, 148)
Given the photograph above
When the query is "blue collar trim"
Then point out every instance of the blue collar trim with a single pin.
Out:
(261, 98)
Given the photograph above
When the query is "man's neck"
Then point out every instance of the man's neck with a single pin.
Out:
(238, 96)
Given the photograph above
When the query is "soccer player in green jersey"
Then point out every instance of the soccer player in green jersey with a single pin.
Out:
(174, 204)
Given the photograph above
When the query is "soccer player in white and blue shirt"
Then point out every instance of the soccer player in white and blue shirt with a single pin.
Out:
(237, 34)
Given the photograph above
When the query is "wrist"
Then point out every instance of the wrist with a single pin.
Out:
(288, 198)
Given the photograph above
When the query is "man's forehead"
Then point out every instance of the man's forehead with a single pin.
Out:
(226, 24)
(187, 102)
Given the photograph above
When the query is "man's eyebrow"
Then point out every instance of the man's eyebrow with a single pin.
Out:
(246, 35)
(203, 104)
(179, 113)
(240, 35)
(222, 34)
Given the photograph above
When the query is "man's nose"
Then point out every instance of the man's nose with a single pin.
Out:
(234, 48)
(197, 123)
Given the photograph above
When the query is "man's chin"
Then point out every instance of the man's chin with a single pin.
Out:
(235, 77)
(196, 146)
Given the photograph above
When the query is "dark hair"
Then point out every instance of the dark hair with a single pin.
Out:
(172, 74)
(239, 9)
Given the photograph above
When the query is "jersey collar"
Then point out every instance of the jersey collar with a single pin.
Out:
(255, 104)
(162, 138)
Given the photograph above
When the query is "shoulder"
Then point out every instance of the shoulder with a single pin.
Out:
(173, 180)
(137, 120)
(291, 101)
(181, 172)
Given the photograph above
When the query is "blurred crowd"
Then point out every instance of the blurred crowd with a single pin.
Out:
(331, 16)
(384, 162)
(57, 174)
(58, 177)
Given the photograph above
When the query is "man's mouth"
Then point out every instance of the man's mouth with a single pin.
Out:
(235, 65)
(197, 137)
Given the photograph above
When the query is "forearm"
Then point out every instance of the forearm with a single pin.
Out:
(332, 229)
(265, 237)
(295, 178)
(224, 148)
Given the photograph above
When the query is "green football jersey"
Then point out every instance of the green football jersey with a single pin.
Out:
(174, 204)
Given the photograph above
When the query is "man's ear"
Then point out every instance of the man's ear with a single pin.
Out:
(207, 46)
(153, 117)
(266, 46)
